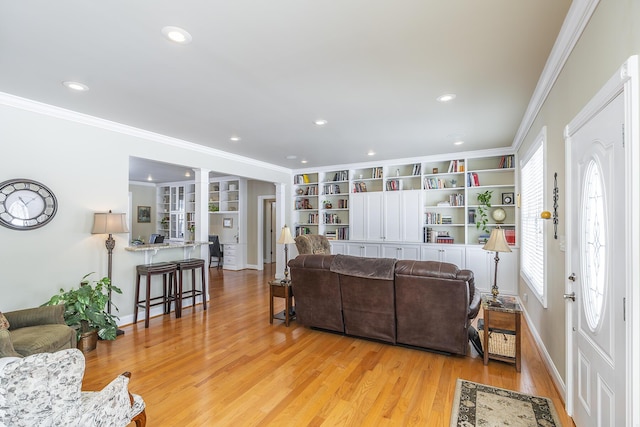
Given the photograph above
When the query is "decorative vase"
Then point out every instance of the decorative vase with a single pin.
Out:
(88, 341)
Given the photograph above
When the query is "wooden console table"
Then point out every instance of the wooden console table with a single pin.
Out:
(506, 317)
(280, 289)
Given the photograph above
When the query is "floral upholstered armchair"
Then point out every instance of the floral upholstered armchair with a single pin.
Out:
(313, 244)
(45, 390)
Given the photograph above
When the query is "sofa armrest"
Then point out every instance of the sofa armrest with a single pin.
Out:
(45, 315)
(6, 346)
(112, 403)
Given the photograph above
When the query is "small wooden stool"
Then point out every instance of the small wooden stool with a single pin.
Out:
(190, 264)
(167, 270)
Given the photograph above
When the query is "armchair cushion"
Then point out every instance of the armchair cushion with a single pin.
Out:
(36, 330)
(4, 323)
(313, 244)
(44, 389)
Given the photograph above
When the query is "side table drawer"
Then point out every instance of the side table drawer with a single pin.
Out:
(500, 320)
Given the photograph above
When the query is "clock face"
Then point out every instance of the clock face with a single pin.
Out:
(26, 204)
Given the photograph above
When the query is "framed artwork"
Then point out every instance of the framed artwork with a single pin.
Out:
(227, 222)
(144, 213)
(507, 198)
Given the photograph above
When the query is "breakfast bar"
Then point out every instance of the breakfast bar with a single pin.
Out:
(150, 250)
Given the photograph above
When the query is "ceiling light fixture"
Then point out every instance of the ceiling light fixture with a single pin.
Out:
(458, 143)
(292, 157)
(149, 178)
(187, 174)
(446, 97)
(304, 161)
(235, 138)
(320, 122)
(177, 34)
(78, 87)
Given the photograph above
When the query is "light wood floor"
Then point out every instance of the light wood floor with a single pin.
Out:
(229, 367)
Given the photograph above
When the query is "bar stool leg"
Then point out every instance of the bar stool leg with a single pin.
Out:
(204, 290)
(135, 307)
(147, 306)
(178, 303)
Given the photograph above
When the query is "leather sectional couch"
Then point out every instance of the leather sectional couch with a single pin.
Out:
(425, 304)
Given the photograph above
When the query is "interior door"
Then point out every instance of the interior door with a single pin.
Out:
(596, 253)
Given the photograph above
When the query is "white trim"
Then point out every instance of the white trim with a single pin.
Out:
(625, 80)
(574, 24)
(64, 114)
(260, 229)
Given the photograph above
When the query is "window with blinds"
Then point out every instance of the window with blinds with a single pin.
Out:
(532, 231)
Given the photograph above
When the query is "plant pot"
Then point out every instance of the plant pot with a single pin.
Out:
(88, 341)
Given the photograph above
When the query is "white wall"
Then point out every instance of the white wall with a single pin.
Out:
(87, 169)
(611, 36)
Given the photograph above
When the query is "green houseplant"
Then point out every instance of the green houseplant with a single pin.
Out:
(85, 307)
(484, 202)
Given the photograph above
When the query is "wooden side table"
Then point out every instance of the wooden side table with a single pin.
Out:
(506, 317)
(280, 289)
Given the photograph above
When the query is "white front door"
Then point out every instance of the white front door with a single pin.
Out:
(597, 245)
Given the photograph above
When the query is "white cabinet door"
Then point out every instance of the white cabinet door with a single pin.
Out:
(482, 264)
(357, 216)
(363, 249)
(338, 247)
(403, 216)
(411, 252)
(374, 219)
(445, 253)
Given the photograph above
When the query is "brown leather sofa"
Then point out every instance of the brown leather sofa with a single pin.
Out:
(425, 304)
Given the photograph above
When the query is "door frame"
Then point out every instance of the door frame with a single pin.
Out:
(624, 81)
(260, 244)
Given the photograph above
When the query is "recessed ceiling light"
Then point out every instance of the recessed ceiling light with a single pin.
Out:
(177, 34)
(303, 161)
(292, 157)
(235, 138)
(446, 97)
(187, 174)
(320, 122)
(149, 178)
(76, 86)
(371, 153)
(458, 143)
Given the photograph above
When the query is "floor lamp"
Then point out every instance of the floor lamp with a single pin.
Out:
(110, 223)
(285, 239)
(496, 243)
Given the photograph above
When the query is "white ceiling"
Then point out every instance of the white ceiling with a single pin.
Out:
(265, 70)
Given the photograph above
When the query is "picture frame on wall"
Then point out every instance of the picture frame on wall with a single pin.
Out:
(227, 222)
(144, 213)
(507, 198)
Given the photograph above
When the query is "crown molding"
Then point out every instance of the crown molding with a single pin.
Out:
(73, 116)
(577, 18)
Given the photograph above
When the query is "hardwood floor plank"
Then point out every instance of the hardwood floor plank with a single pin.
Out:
(227, 366)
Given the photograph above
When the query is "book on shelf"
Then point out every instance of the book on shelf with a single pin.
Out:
(359, 187)
(394, 185)
(305, 178)
(434, 183)
(456, 166)
(417, 169)
(343, 204)
(473, 180)
(506, 162)
(471, 216)
(510, 236)
(341, 176)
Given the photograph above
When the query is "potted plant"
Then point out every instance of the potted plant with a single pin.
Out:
(327, 204)
(85, 309)
(484, 202)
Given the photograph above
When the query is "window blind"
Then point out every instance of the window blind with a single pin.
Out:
(532, 200)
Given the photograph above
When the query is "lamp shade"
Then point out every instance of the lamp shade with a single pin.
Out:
(497, 242)
(285, 236)
(109, 223)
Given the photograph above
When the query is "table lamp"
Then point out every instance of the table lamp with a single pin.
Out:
(496, 243)
(110, 223)
(285, 239)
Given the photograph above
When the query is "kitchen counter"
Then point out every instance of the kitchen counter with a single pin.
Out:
(152, 249)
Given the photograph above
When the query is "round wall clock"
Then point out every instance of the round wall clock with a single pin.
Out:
(26, 204)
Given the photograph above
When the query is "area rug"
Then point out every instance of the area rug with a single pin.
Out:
(481, 405)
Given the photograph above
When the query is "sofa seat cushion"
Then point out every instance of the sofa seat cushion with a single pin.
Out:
(42, 339)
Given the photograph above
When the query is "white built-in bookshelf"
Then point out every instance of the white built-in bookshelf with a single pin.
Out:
(343, 204)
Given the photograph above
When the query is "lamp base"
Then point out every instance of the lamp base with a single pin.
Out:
(495, 302)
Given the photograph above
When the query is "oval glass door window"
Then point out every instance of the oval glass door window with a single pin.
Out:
(594, 245)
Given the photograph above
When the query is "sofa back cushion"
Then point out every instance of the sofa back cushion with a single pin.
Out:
(316, 292)
(368, 301)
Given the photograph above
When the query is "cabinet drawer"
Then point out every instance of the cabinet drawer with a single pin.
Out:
(500, 320)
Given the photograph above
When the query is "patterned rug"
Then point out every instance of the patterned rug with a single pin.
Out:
(481, 405)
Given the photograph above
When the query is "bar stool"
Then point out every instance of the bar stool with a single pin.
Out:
(168, 270)
(191, 264)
